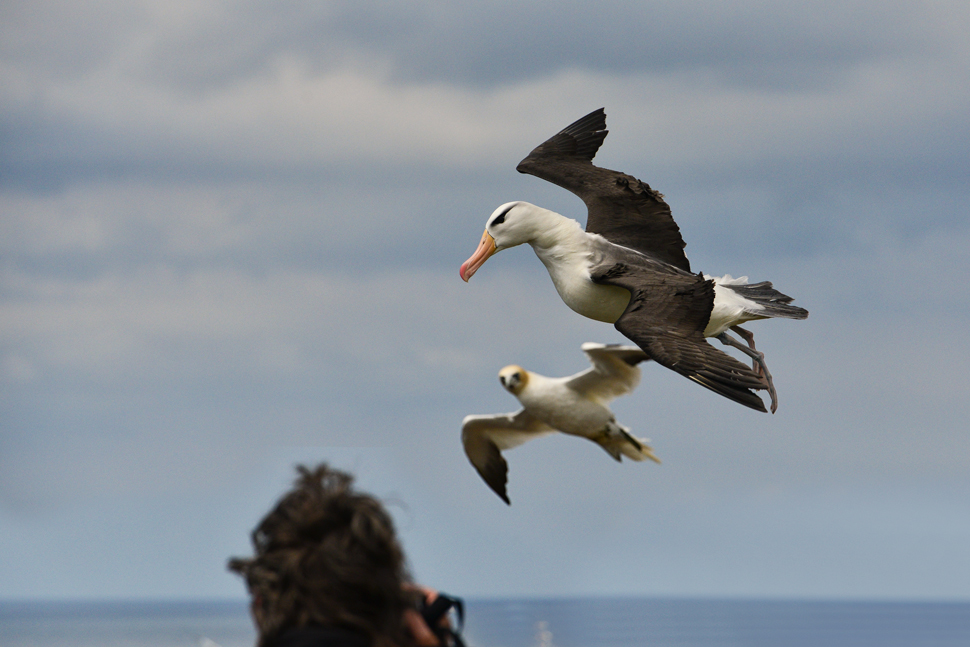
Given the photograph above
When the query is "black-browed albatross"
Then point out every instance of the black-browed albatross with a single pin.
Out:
(575, 405)
(629, 268)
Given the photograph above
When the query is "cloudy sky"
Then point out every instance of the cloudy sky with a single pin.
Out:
(230, 234)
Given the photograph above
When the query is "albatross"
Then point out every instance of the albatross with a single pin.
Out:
(629, 268)
(575, 405)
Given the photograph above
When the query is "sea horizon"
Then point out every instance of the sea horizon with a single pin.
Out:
(492, 598)
(520, 621)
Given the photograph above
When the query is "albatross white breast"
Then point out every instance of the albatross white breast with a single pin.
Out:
(628, 268)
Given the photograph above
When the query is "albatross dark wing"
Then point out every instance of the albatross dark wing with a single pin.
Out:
(621, 208)
(666, 317)
(694, 358)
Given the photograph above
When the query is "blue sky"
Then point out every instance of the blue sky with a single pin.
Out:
(230, 240)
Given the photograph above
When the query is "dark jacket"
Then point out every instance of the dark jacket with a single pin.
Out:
(319, 637)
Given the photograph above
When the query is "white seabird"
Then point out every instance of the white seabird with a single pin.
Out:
(628, 268)
(575, 405)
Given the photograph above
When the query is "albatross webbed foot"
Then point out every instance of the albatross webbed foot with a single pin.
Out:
(757, 359)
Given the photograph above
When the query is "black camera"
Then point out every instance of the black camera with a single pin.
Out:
(442, 606)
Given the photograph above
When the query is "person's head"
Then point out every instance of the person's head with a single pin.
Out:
(327, 556)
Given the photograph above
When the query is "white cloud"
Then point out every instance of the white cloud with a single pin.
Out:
(286, 113)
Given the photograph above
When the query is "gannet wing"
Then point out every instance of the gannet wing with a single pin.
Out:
(614, 371)
(485, 436)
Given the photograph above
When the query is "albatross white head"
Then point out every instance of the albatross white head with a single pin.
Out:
(511, 224)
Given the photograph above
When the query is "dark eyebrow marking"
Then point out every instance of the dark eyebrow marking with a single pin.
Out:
(501, 216)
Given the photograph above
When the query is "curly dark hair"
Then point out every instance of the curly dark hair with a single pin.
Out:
(327, 556)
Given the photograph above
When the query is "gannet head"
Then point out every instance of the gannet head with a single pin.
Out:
(513, 378)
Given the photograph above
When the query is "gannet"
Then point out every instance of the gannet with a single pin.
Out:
(575, 405)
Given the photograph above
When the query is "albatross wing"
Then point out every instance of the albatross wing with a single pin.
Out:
(484, 436)
(666, 317)
(621, 208)
(697, 360)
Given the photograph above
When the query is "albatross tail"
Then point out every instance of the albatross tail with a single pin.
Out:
(775, 303)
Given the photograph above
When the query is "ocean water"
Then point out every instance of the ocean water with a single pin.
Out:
(593, 622)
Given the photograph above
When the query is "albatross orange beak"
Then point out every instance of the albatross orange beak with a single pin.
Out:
(485, 249)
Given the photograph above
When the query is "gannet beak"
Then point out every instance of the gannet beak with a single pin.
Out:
(485, 249)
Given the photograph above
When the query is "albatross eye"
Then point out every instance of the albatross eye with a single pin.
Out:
(501, 217)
